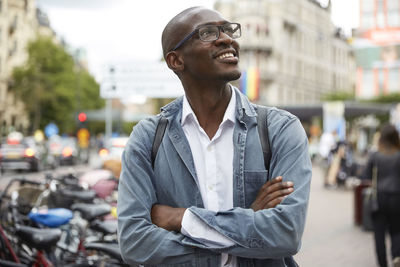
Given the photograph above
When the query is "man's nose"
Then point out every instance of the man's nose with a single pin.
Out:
(224, 38)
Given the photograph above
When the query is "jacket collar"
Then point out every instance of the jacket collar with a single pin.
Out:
(243, 106)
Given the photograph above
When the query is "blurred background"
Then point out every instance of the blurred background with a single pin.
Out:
(76, 76)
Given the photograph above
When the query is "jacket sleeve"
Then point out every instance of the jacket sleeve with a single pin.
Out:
(141, 241)
(277, 232)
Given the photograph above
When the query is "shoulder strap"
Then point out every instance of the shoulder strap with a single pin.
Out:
(262, 126)
(262, 122)
(160, 130)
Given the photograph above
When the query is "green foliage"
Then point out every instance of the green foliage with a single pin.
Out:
(339, 96)
(389, 98)
(127, 127)
(96, 127)
(52, 88)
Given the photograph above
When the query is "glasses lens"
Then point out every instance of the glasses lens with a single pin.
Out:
(232, 29)
(209, 33)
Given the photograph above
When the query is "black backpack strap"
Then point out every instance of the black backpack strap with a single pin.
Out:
(262, 126)
(161, 126)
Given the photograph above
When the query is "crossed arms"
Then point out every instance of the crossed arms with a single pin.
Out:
(270, 195)
(271, 228)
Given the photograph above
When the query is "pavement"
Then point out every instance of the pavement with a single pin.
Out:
(331, 238)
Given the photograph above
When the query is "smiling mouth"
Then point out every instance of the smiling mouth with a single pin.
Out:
(226, 55)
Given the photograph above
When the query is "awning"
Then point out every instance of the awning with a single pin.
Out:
(352, 109)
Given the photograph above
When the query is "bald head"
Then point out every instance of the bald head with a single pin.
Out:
(179, 26)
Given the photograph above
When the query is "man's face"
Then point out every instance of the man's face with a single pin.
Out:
(215, 60)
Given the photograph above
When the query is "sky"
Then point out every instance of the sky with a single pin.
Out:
(129, 30)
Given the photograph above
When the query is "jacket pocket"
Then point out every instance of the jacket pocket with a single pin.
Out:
(253, 180)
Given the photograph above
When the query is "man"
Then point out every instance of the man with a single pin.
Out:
(209, 201)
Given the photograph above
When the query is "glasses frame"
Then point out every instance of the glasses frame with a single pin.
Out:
(220, 28)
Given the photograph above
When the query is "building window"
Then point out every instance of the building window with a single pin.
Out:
(14, 49)
(368, 21)
(368, 18)
(393, 18)
(368, 84)
(367, 6)
(392, 5)
(393, 80)
(380, 17)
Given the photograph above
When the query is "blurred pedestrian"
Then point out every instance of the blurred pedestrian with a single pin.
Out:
(209, 200)
(327, 143)
(386, 162)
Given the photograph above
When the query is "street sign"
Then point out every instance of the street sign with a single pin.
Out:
(151, 79)
(50, 129)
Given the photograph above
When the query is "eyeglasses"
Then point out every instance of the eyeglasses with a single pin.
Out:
(209, 33)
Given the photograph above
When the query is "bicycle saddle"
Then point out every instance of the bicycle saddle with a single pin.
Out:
(51, 217)
(42, 239)
(106, 227)
(84, 196)
(91, 211)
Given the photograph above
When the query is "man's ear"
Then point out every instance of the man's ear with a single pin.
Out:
(174, 61)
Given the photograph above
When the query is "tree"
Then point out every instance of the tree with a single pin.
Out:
(338, 96)
(51, 87)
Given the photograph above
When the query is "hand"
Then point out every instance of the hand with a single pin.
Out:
(271, 194)
(167, 217)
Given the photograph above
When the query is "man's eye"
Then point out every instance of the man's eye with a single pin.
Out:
(206, 33)
(230, 29)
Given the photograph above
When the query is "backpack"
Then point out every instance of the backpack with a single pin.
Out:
(262, 133)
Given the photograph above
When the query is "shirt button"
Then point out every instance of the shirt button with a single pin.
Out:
(209, 148)
(210, 187)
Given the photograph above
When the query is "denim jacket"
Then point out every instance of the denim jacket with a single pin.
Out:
(263, 238)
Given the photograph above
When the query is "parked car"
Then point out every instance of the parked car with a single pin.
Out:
(113, 148)
(69, 151)
(63, 149)
(19, 153)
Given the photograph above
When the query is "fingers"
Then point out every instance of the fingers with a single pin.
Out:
(264, 189)
(273, 186)
(274, 203)
(278, 193)
(272, 193)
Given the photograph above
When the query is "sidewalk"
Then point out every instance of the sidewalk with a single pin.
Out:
(330, 238)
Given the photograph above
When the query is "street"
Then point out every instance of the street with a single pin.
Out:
(331, 238)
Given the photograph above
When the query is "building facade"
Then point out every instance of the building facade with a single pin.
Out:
(377, 48)
(299, 54)
(20, 22)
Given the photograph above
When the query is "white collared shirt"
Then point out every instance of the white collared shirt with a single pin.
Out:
(213, 162)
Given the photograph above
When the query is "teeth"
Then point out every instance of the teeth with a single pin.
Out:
(225, 55)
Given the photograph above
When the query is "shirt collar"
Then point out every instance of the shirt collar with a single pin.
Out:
(187, 110)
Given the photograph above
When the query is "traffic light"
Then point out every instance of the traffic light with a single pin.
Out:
(82, 117)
